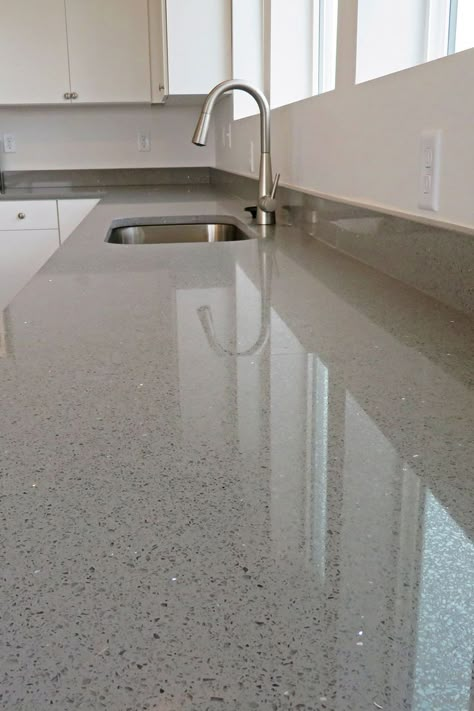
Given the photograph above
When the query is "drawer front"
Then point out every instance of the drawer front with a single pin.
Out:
(28, 215)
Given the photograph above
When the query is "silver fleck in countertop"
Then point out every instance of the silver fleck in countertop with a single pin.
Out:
(183, 528)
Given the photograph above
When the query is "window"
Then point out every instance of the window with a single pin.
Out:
(286, 48)
(397, 34)
(390, 36)
(461, 30)
(303, 49)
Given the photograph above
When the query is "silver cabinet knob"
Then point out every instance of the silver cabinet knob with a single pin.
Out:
(74, 95)
(161, 87)
(21, 215)
(67, 95)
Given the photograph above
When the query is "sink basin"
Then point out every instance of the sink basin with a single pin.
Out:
(176, 234)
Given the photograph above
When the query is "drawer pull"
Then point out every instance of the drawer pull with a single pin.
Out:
(21, 215)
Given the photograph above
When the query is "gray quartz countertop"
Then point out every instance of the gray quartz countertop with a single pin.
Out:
(233, 476)
(52, 193)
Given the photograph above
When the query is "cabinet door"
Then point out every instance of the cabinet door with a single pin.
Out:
(158, 51)
(71, 213)
(22, 254)
(109, 50)
(199, 44)
(33, 52)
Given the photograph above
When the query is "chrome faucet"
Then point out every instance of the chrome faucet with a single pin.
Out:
(2, 176)
(267, 187)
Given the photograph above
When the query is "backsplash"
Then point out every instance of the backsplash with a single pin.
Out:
(107, 177)
(435, 260)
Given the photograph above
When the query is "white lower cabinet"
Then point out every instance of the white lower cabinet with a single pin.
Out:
(22, 254)
(30, 232)
(71, 213)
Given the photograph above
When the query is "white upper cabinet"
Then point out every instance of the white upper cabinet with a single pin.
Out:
(109, 52)
(199, 44)
(112, 51)
(33, 52)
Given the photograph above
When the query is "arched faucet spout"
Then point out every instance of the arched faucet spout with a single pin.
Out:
(267, 187)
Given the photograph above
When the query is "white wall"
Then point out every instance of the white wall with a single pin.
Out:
(361, 142)
(50, 138)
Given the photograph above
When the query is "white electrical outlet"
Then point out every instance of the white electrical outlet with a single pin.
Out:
(229, 135)
(9, 143)
(143, 141)
(430, 162)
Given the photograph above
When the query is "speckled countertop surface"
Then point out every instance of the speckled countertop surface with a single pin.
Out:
(187, 528)
(52, 193)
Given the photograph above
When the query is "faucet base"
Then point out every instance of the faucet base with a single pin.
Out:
(265, 218)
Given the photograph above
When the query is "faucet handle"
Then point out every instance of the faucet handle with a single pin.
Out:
(275, 186)
(268, 202)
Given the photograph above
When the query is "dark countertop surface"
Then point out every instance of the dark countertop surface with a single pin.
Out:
(274, 511)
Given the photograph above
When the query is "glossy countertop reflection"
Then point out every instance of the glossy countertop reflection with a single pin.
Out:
(233, 476)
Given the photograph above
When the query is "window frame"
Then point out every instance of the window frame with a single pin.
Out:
(323, 34)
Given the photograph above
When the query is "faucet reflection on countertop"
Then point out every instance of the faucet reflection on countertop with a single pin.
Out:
(265, 264)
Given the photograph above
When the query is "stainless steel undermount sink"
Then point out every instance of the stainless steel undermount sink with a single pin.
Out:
(177, 233)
